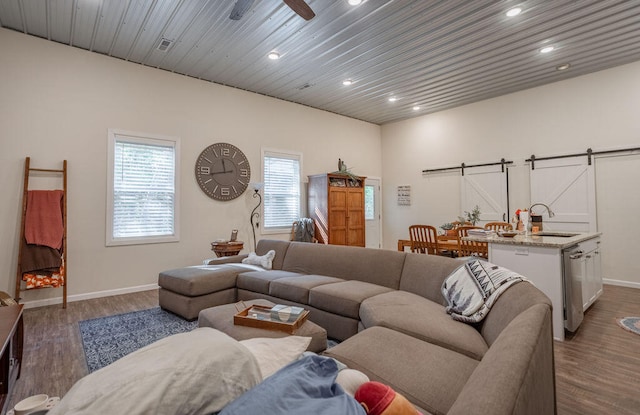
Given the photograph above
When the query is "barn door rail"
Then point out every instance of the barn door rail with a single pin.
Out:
(589, 153)
(463, 166)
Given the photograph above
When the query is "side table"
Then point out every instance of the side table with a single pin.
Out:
(11, 341)
(227, 248)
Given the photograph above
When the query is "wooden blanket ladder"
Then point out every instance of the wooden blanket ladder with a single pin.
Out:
(44, 172)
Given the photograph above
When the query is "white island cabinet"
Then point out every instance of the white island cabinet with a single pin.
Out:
(591, 269)
(540, 259)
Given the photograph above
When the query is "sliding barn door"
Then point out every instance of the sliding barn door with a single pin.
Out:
(567, 186)
(485, 187)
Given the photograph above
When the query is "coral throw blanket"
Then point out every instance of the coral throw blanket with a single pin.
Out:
(43, 221)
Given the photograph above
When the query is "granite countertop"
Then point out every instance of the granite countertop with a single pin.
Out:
(561, 240)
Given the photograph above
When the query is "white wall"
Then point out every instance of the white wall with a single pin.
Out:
(599, 110)
(57, 102)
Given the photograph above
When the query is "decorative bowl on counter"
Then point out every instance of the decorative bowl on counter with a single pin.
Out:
(508, 234)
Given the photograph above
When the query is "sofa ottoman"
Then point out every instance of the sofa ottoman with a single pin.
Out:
(221, 318)
(186, 291)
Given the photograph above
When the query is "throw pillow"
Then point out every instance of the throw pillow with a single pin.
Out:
(473, 288)
(265, 261)
(274, 354)
(351, 380)
(380, 399)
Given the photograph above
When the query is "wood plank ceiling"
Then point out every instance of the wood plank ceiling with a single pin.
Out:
(426, 53)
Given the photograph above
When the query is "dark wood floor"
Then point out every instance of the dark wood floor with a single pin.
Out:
(597, 370)
(53, 358)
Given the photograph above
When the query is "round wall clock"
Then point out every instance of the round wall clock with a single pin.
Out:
(222, 171)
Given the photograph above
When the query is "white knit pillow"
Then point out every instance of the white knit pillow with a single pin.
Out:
(265, 261)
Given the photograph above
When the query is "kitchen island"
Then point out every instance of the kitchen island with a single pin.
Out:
(564, 265)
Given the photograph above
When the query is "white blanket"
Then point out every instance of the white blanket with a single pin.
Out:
(190, 373)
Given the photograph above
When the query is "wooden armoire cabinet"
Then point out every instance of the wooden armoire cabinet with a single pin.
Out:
(336, 204)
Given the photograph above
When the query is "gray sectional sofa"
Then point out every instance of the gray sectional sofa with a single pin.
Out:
(387, 310)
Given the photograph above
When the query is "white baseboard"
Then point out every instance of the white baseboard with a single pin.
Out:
(621, 283)
(88, 296)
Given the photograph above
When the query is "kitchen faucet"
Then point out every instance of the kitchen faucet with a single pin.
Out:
(549, 211)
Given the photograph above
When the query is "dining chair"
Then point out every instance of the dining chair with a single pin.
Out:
(498, 226)
(424, 239)
(471, 248)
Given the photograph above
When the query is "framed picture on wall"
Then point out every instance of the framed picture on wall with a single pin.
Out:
(404, 195)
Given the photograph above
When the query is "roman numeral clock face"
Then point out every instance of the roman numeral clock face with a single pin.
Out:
(223, 171)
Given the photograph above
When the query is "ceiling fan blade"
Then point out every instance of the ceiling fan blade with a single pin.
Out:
(301, 7)
(240, 9)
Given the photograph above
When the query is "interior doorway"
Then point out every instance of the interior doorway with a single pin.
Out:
(372, 213)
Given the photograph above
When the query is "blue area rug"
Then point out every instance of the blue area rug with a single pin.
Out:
(631, 324)
(107, 339)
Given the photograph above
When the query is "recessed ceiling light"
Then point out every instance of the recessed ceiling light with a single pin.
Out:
(273, 55)
(514, 12)
(547, 49)
(393, 99)
(354, 2)
(347, 82)
(563, 67)
(416, 107)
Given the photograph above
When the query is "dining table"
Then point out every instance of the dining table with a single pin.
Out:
(445, 242)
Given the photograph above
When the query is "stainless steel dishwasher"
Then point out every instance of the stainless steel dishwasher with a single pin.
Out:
(573, 277)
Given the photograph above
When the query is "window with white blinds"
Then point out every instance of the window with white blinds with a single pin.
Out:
(143, 192)
(281, 174)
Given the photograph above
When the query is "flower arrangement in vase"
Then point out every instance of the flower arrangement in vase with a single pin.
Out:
(473, 216)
